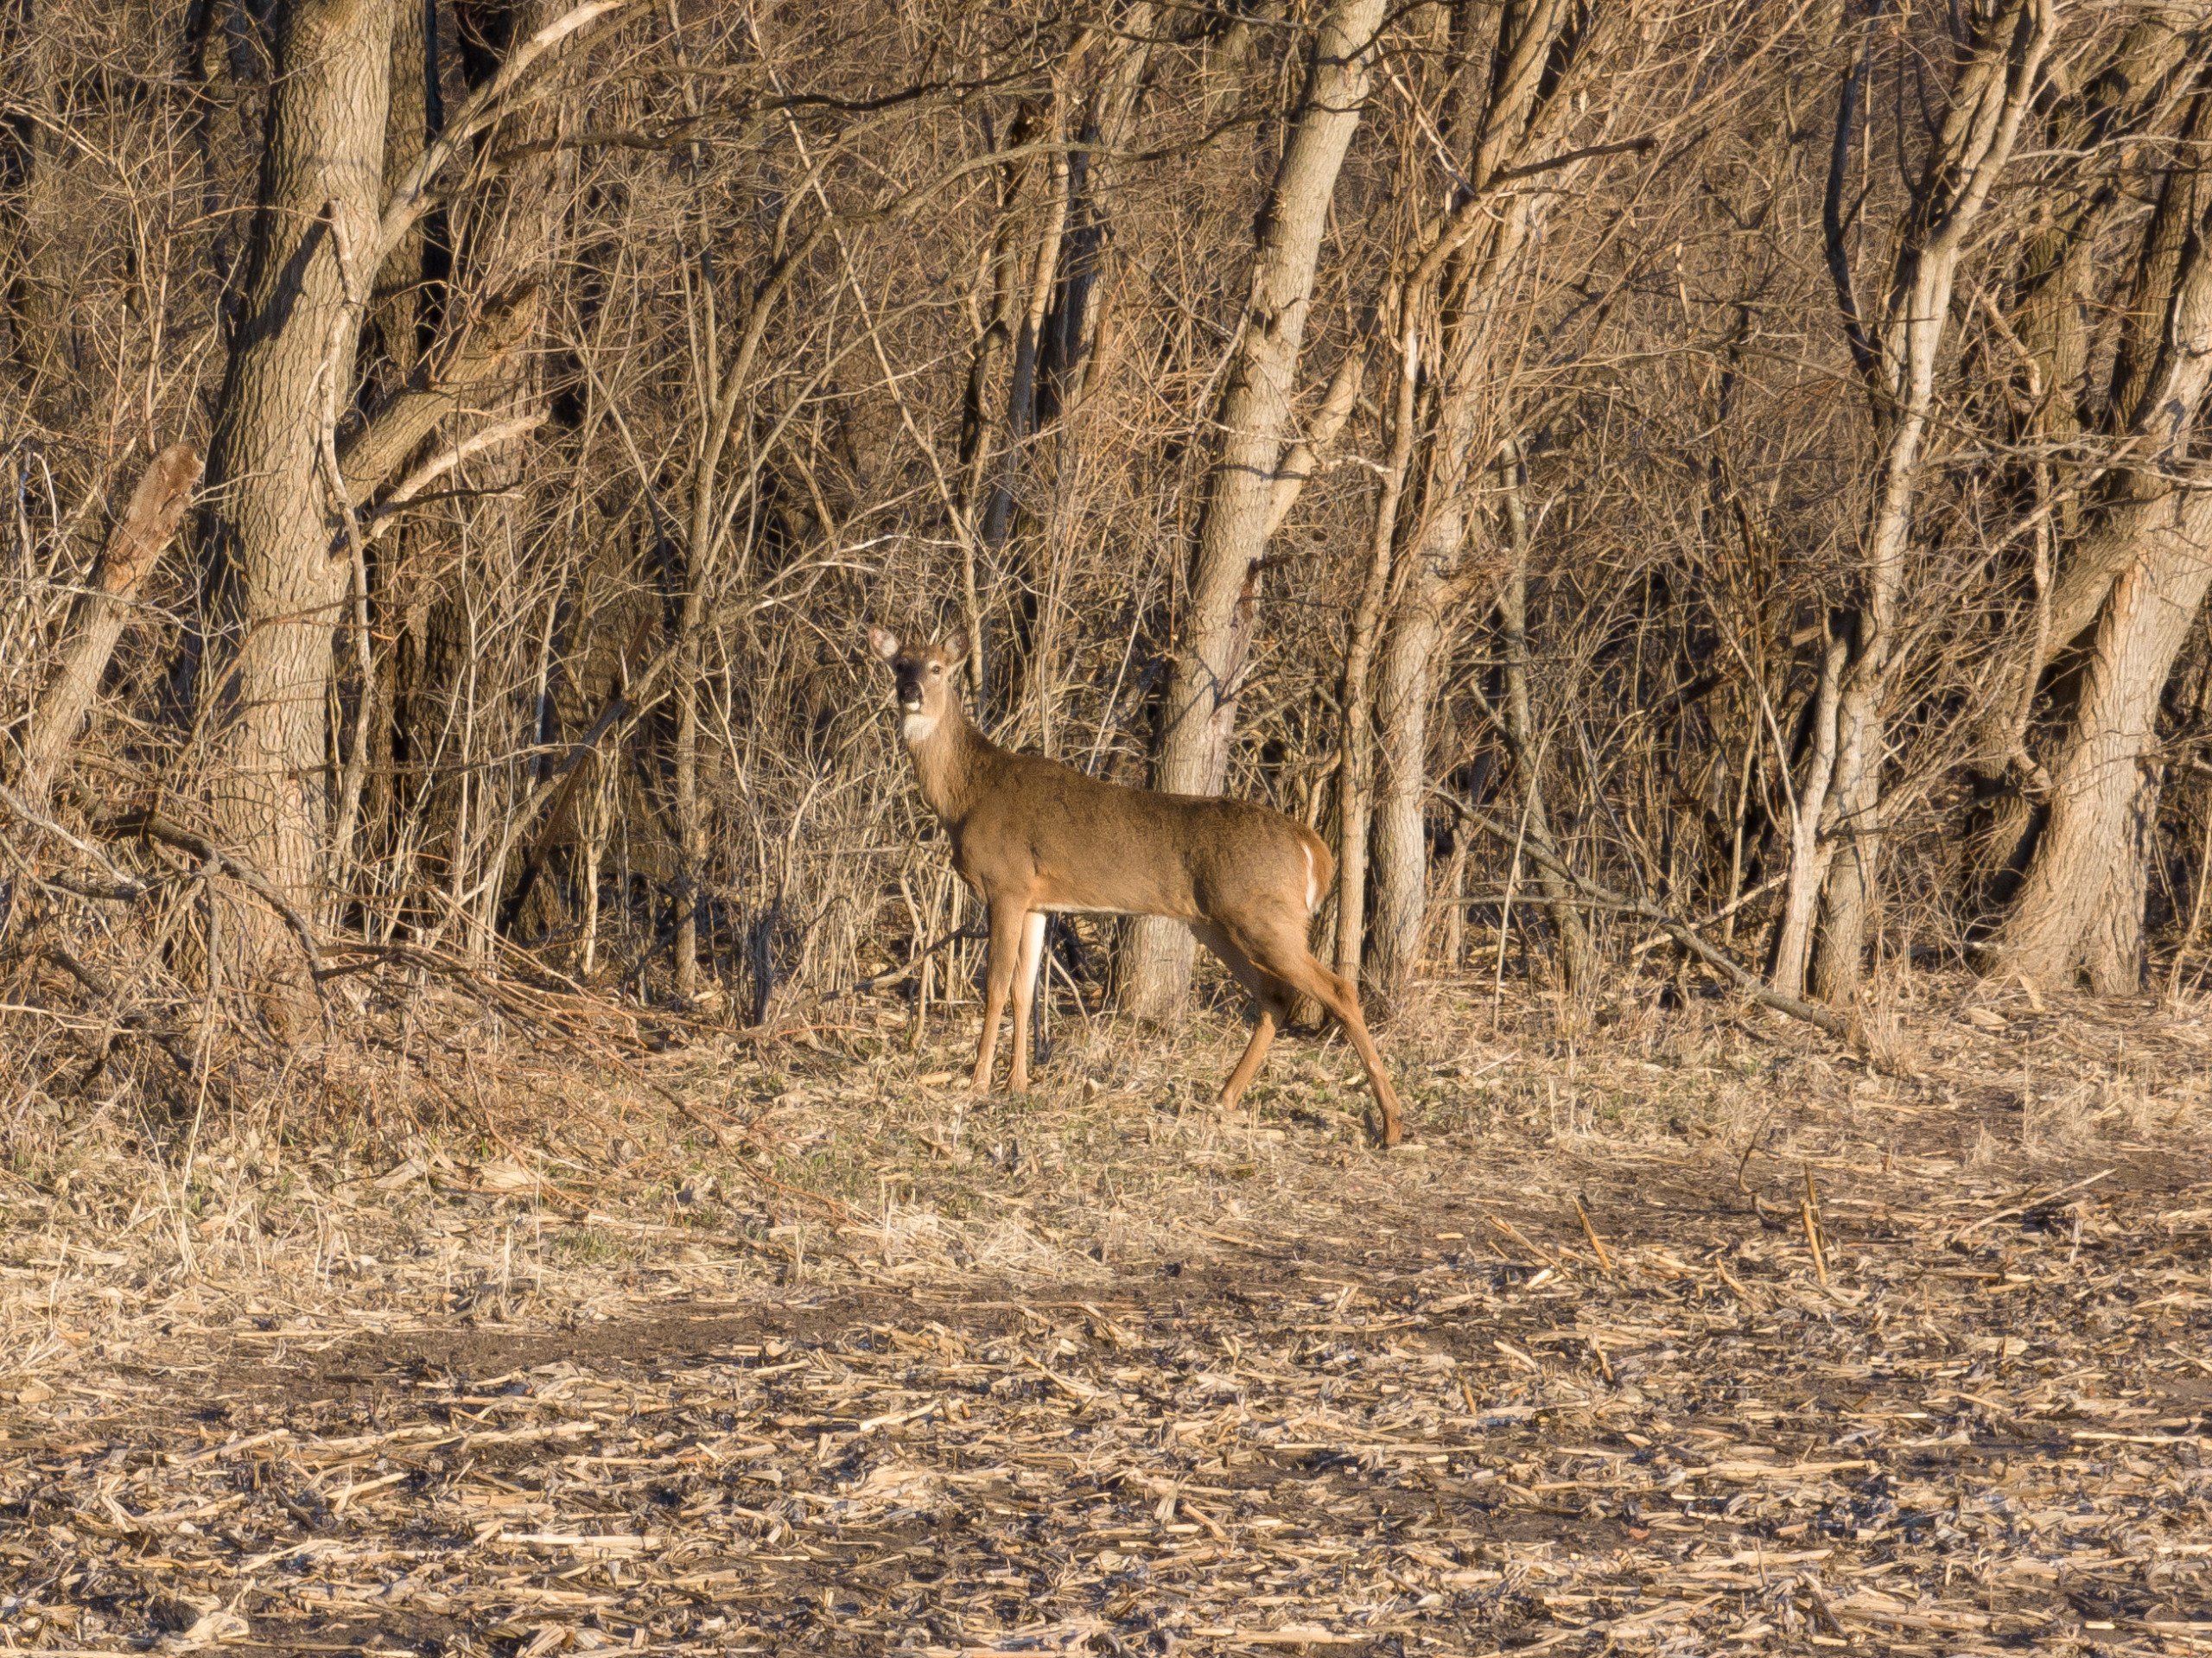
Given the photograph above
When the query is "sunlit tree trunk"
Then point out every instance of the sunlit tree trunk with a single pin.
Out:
(2139, 573)
(1512, 115)
(1356, 745)
(504, 243)
(2135, 575)
(1900, 353)
(1191, 754)
(277, 568)
(2082, 903)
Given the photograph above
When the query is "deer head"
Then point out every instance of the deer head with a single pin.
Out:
(923, 675)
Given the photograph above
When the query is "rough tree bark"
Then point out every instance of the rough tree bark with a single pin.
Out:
(2061, 284)
(278, 555)
(399, 303)
(274, 588)
(2082, 903)
(503, 243)
(2141, 571)
(1191, 754)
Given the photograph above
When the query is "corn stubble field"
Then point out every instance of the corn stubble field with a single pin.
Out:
(1676, 1332)
(1706, 498)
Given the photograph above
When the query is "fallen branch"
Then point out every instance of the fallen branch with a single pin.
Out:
(137, 1024)
(885, 980)
(134, 547)
(1674, 926)
(125, 887)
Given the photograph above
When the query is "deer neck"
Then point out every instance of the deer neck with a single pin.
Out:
(945, 751)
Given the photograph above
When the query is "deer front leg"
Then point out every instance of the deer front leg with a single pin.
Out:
(1274, 1008)
(998, 977)
(1025, 995)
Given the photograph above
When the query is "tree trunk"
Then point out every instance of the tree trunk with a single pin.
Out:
(2081, 906)
(1191, 754)
(1356, 746)
(1044, 324)
(1417, 639)
(397, 302)
(1430, 584)
(1516, 118)
(1576, 966)
(1811, 844)
(504, 243)
(401, 309)
(2138, 574)
(274, 590)
(30, 296)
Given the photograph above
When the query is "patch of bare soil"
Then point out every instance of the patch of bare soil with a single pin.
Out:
(1649, 1349)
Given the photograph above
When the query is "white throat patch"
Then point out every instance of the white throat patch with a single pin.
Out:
(917, 727)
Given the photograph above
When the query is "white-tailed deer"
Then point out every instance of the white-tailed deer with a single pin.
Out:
(1036, 838)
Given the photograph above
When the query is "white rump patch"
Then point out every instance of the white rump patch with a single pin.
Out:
(917, 727)
(1312, 887)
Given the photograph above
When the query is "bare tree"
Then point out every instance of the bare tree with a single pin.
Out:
(283, 547)
(277, 559)
(1514, 121)
(2140, 571)
(1899, 351)
(1214, 634)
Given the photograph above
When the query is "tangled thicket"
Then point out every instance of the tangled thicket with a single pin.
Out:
(1720, 470)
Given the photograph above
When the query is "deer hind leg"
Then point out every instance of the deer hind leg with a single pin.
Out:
(1274, 1000)
(1025, 995)
(1284, 956)
(999, 963)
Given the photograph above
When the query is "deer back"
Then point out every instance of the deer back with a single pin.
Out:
(1076, 843)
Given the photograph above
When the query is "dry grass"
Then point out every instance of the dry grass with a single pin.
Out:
(489, 1350)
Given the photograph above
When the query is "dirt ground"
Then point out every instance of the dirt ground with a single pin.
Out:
(1680, 1333)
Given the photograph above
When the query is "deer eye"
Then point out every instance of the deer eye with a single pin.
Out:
(936, 669)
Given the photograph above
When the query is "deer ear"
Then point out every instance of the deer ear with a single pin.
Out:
(885, 644)
(955, 646)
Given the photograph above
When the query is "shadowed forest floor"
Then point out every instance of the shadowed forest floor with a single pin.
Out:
(1687, 1333)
